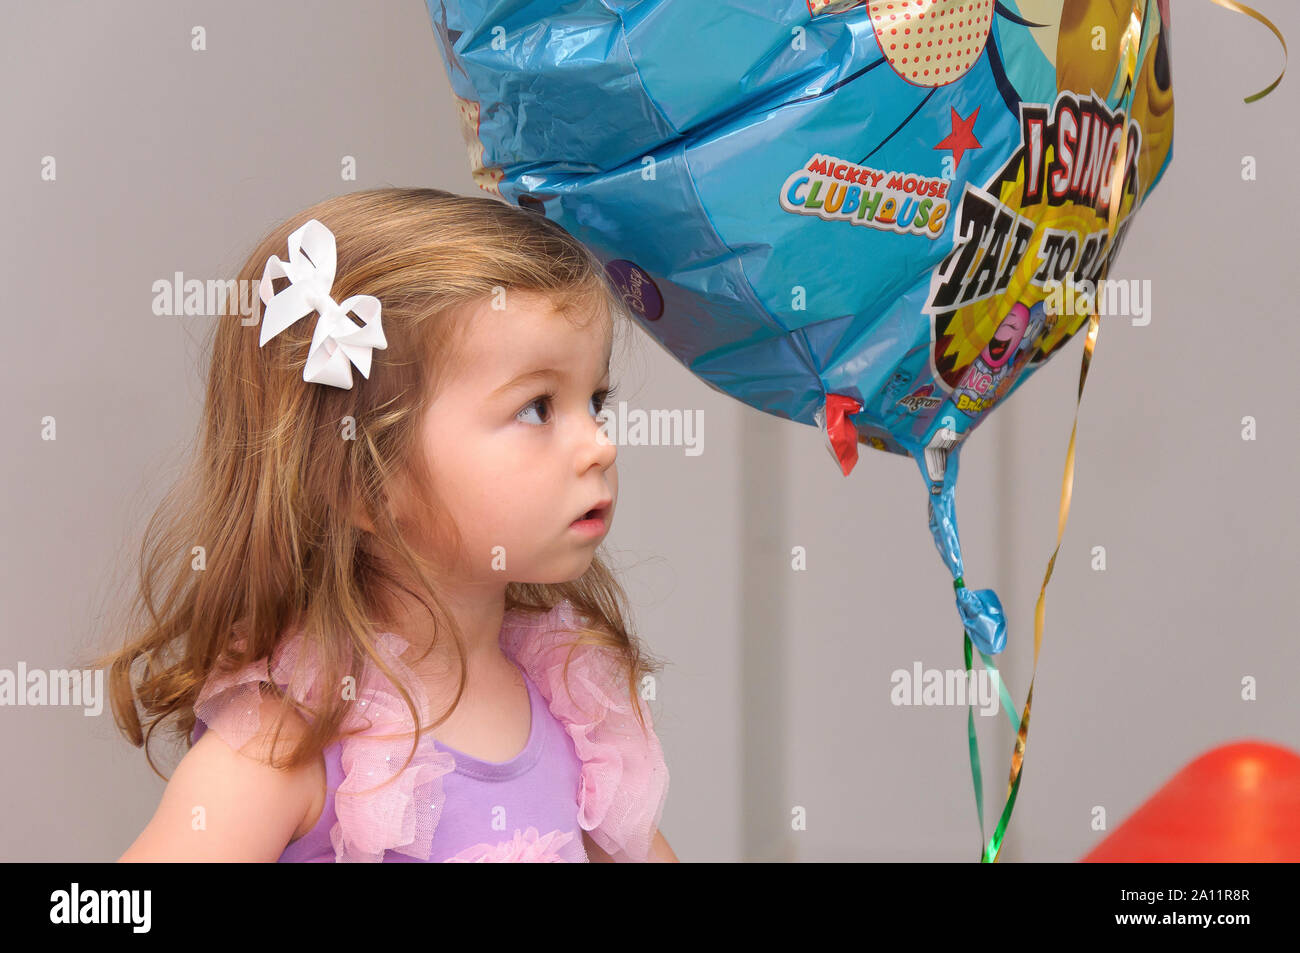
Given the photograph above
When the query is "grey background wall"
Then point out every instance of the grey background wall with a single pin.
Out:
(777, 694)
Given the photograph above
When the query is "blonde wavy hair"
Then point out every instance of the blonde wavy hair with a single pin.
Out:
(306, 531)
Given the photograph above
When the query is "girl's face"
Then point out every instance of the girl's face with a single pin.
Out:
(514, 466)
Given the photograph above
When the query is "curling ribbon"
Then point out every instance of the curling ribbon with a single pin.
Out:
(1242, 8)
(1131, 43)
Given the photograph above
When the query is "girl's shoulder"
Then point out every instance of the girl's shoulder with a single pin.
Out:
(237, 703)
(370, 749)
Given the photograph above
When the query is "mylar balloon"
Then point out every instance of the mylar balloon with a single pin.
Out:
(878, 218)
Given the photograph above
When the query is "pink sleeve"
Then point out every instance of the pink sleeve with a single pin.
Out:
(624, 782)
(229, 703)
(379, 806)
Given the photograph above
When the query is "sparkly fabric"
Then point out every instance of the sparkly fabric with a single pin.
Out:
(587, 765)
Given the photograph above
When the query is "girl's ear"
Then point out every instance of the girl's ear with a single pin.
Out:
(360, 518)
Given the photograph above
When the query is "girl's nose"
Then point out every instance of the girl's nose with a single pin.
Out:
(600, 447)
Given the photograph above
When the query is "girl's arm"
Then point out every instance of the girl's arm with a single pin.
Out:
(225, 806)
(660, 852)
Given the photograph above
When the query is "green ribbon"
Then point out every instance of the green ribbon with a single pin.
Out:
(995, 844)
(990, 852)
(1132, 45)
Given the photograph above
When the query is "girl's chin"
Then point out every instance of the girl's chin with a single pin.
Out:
(555, 574)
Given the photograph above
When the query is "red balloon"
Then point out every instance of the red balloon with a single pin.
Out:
(1238, 803)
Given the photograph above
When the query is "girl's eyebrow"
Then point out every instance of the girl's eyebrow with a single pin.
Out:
(527, 377)
(541, 373)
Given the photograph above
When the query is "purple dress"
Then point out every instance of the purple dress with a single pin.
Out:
(587, 765)
(486, 801)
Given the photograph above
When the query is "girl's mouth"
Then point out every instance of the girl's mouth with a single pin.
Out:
(593, 522)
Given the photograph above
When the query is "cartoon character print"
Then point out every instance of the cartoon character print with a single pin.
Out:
(1078, 67)
(958, 336)
(992, 373)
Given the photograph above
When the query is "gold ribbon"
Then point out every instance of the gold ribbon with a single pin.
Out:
(1130, 45)
(1130, 41)
(1255, 14)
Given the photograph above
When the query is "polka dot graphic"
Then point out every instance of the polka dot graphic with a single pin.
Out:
(488, 178)
(931, 42)
(816, 7)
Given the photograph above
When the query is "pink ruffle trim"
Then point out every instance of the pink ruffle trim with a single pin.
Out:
(624, 781)
(373, 815)
(526, 848)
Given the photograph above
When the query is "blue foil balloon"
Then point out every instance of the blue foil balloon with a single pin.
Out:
(876, 218)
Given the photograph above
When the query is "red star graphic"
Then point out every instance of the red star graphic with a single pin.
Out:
(962, 136)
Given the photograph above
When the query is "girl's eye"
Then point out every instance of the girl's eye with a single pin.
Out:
(602, 397)
(543, 401)
(598, 402)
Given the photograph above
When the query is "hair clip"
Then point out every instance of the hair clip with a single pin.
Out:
(337, 343)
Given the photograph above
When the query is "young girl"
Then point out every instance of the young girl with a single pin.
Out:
(378, 612)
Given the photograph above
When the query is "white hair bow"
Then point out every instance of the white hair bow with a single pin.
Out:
(337, 342)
